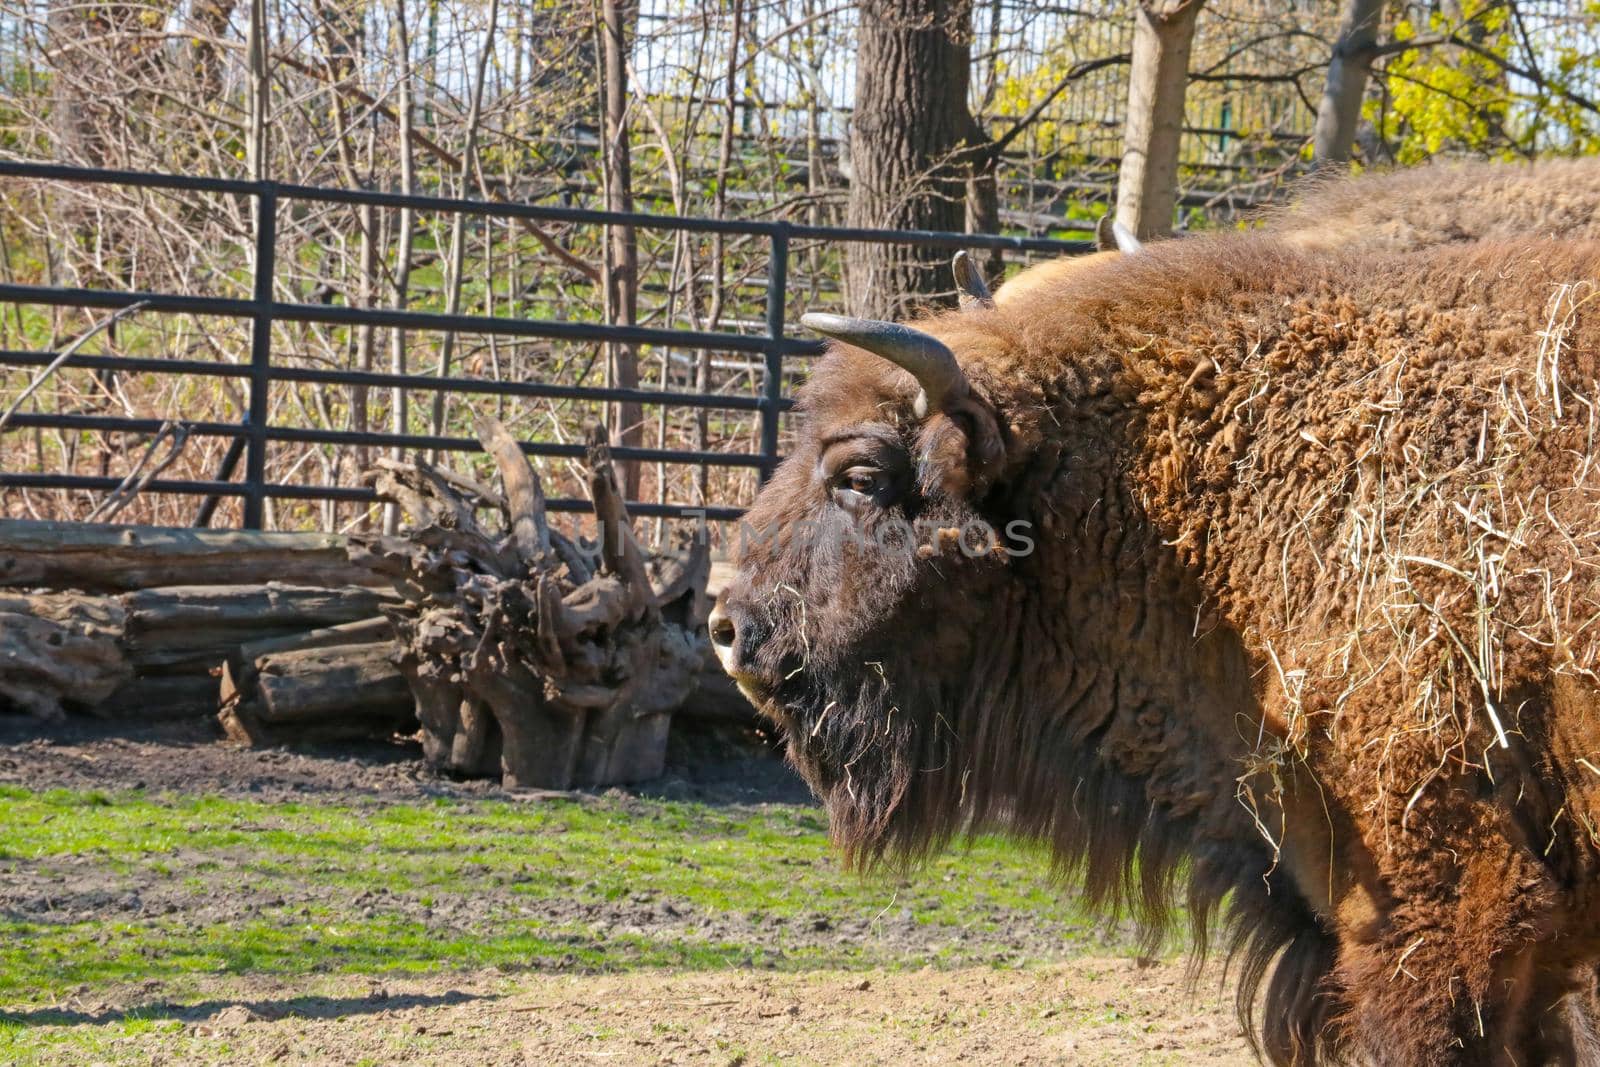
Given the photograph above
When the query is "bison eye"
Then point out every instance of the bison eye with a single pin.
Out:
(861, 485)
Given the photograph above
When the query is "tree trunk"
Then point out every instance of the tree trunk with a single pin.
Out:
(257, 146)
(983, 209)
(1339, 111)
(622, 275)
(1147, 185)
(399, 413)
(910, 125)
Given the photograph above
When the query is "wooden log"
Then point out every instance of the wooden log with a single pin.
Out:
(250, 607)
(195, 628)
(194, 651)
(60, 650)
(114, 559)
(360, 632)
(321, 684)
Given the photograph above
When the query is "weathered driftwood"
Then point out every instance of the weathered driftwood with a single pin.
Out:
(116, 559)
(60, 650)
(532, 658)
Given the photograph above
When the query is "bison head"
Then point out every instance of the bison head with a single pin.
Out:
(880, 600)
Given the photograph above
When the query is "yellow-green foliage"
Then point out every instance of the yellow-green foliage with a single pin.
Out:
(1450, 98)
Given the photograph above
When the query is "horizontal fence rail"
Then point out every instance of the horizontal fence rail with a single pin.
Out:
(253, 433)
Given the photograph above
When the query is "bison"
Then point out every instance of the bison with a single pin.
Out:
(1263, 581)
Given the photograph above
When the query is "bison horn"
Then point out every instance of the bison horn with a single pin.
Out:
(924, 356)
(1111, 235)
(971, 289)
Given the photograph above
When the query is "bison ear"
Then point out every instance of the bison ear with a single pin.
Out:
(960, 449)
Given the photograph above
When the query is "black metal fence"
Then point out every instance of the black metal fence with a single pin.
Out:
(252, 435)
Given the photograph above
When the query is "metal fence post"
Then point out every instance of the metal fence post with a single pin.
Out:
(772, 394)
(255, 426)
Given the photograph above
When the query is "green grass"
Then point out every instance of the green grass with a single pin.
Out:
(332, 888)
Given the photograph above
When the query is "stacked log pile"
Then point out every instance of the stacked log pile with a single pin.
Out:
(531, 657)
(521, 653)
(136, 623)
(94, 618)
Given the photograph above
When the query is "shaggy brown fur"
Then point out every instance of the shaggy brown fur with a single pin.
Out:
(1309, 632)
(1419, 207)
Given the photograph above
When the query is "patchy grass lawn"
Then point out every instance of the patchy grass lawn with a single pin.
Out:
(159, 897)
(389, 927)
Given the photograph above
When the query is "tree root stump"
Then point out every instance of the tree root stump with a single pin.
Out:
(542, 661)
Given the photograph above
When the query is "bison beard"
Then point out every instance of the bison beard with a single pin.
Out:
(1282, 506)
(852, 711)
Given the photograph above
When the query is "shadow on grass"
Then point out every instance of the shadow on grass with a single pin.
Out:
(300, 1007)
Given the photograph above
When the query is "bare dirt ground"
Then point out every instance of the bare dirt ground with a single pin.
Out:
(1087, 1011)
(1097, 1009)
(185, 757)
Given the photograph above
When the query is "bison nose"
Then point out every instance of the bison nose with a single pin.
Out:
(736, 635)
